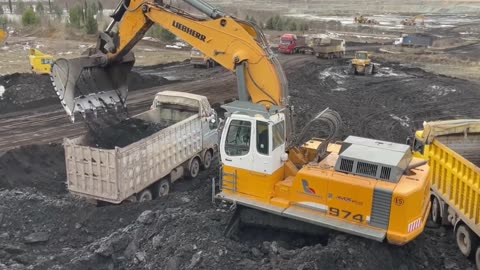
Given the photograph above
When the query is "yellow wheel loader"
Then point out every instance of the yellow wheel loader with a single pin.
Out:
(370, 188)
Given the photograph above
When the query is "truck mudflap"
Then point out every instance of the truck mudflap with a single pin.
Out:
(306, 214)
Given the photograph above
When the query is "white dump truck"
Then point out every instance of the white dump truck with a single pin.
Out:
(147, 168)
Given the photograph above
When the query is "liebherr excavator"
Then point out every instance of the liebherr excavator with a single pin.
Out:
(374, 189)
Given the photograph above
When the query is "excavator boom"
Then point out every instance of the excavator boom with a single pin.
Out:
(97, 81)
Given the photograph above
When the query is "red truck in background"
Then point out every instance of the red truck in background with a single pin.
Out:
(290, 44)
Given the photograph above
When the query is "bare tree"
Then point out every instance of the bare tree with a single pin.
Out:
(10, 6)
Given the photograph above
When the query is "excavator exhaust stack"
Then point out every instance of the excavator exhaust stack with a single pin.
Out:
(91, 86)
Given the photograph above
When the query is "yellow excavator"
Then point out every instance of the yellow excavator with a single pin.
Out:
(374, 189)
(412, 21)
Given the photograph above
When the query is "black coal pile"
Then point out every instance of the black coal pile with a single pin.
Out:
(25, 90)
(41, 167)
(121, 134)
(137, 81)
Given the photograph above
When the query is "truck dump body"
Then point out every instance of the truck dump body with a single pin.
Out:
(467, 147)
(453, 150)
(328, 49)
(454, 161)
(113, 175)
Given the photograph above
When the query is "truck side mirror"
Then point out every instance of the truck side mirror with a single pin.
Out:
(213, 123)
(408, 141)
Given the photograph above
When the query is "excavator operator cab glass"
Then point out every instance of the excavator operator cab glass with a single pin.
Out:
(262, 138)
(278, 135)
(238, 138)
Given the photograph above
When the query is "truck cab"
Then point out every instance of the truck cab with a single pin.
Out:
(291, 43)
(198, 59)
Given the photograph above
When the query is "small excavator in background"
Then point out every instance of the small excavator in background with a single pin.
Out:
(365, 187)
(412, 21)
(364, 20)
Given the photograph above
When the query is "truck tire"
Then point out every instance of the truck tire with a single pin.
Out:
(466, 240)
(477, 257)
(163, 188)
(435, 213)
(194, 169)
(195, 65)
(207, 159)
(145, 195)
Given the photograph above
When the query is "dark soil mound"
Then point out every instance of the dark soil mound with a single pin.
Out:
(25, 89)
(138, 81)
(36, 166)
(120, 135)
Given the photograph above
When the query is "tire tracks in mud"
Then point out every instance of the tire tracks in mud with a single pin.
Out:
(51, 124)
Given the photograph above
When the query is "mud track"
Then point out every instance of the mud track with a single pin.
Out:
(50, 124)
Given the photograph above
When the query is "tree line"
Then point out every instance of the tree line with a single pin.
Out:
(280, 23)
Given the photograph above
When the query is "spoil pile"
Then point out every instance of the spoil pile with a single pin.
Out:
(41, 167)
(26, 91)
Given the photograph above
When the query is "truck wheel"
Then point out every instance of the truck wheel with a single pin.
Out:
(207, 159)
(477, 258)
(163, 188)
(466, 240)
(435, 212)
(145, 195)
(194, 168)
(195, 66)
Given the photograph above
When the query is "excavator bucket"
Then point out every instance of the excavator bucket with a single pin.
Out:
(89, 85)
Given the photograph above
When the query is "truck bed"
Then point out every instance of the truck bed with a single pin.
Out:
(113, 175)
(468, 147)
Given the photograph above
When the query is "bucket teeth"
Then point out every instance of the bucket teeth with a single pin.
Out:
(85, 86)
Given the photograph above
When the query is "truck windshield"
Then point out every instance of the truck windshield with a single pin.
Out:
(361, 56)
(285, 41)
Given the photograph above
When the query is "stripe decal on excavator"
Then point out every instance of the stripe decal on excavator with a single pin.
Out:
(415, 225)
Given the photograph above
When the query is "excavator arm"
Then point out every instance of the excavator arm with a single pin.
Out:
(97, 81)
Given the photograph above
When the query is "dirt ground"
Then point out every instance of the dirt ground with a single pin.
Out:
(44, 227)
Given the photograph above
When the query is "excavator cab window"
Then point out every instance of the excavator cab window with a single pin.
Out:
(262, 137)
(278, 132)
(238, 138)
